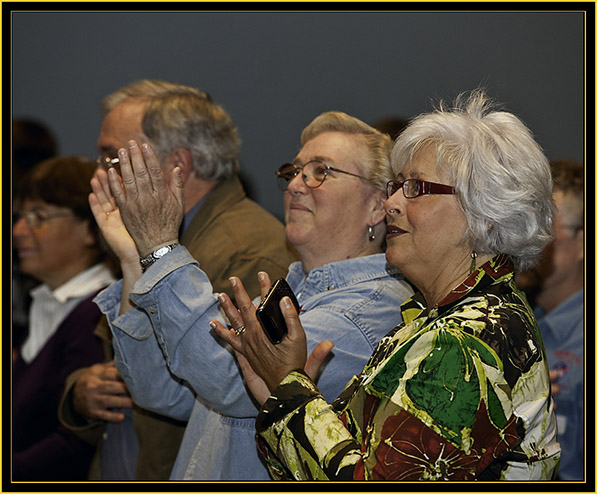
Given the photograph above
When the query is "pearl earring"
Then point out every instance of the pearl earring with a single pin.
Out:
(473, 262)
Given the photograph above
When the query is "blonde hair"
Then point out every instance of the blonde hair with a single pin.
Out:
(379, 145)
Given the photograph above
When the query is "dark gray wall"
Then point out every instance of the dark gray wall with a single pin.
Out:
(274, 72)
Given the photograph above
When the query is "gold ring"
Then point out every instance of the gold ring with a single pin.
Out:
(240, 331)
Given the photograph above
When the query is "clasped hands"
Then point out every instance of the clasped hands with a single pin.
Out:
(100, 390)
(265, 365)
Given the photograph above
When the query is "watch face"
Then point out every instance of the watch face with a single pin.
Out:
(161, 252)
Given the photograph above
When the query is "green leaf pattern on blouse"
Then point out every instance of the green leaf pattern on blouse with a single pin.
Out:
(455, 392)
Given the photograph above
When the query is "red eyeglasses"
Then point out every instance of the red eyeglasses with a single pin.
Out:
(414, 187)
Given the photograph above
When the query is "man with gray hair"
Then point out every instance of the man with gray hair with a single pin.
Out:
(222, 228)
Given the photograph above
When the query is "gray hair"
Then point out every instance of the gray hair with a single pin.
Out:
(377, 167)
(501, 176)
(178, 116)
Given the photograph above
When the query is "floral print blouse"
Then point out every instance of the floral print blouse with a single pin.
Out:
(456, 392)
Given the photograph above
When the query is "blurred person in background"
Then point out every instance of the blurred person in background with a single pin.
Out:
(393, 126)
(58, 243)
(556, 288)
(32, 142)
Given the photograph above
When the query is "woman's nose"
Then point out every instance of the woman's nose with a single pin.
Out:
(20, 228)
(297, 184)
(393, 204)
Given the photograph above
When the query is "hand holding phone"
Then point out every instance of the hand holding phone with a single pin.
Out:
(269, 312)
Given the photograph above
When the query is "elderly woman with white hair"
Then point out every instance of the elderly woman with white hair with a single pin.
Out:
(460, 389)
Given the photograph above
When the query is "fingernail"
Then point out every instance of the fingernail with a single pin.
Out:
(232, 280)
(221, 298)
(286, 303)
(212, 324)
(144, 147)
(132, 144)
(261, 275)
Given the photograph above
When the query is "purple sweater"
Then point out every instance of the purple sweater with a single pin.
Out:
(42, 448)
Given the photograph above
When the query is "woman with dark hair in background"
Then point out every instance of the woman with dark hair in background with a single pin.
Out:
(58, 243)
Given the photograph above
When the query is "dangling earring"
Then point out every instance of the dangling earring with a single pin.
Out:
(371, 234)
(473, 262)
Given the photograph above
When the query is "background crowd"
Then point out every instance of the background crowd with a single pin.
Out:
(165, 374)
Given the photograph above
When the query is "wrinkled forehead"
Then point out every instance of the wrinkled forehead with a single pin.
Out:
(334, 148)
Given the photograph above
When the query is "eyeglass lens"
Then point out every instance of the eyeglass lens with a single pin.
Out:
(392, 187)
(107, 162)
(35, 217)
(313, 173)
(414, 188)
(411, 188)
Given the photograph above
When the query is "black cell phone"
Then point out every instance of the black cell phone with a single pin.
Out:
(269, 312)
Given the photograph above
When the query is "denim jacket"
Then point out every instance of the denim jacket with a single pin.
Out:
(563, 336)
(173, 363)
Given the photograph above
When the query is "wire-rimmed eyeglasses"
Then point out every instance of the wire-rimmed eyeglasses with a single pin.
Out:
(413, 187)
(37, 217)
(106, 162)
(313, 173)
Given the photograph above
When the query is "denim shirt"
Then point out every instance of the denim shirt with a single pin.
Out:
(174, 364)
(563, 336)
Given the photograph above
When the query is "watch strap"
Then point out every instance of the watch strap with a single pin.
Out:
(158, 253)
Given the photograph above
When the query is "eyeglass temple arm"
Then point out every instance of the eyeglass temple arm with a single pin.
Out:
(347, 173)
(433, 188)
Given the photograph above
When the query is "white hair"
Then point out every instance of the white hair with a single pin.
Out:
(501, 175)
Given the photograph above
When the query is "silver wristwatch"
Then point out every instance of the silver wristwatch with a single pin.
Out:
(149, 259)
